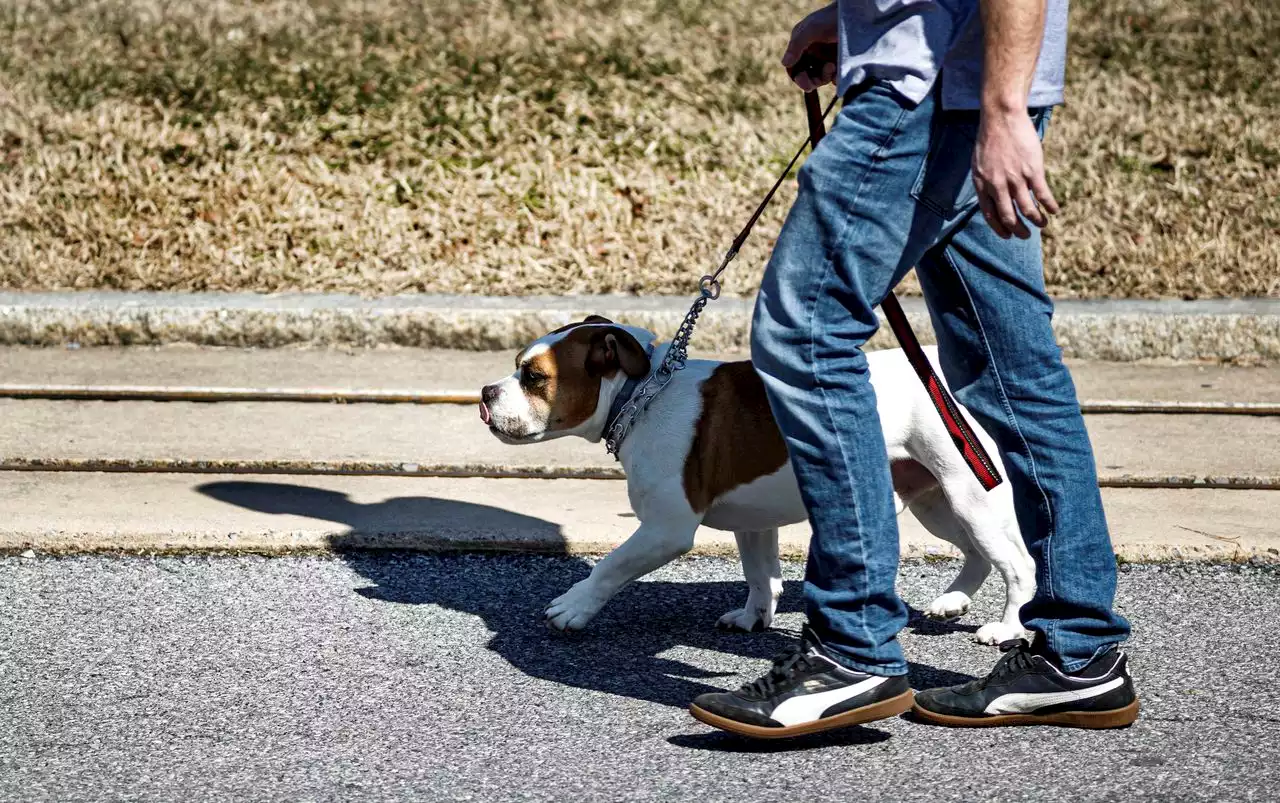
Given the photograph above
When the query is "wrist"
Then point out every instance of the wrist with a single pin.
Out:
(1004, 103)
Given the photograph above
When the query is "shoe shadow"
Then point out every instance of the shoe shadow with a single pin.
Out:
(721, 742)
(632, 649)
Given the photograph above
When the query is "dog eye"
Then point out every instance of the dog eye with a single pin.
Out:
(531, 377)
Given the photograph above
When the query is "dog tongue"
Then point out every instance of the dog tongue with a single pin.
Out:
(484, 413)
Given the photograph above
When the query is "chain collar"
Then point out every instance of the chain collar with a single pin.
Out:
(677, 354)
(625, 394)
(624, 418)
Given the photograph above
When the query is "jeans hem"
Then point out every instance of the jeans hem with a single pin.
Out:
(891, 671)
(1071, 667)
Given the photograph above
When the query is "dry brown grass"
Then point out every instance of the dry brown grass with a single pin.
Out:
(586, 146)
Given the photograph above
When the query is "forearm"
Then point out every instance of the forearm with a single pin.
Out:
(1012, 32)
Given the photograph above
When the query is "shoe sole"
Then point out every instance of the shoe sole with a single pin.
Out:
(1115, 718)
(858, 716)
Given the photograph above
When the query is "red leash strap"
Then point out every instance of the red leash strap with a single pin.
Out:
(962, 435)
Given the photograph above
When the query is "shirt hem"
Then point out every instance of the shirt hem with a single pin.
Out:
(1039, 98)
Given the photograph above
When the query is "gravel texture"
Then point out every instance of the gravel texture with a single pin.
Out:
(388, 677)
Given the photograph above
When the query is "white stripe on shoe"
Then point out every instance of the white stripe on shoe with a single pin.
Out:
(1026, 703)
(809, 707)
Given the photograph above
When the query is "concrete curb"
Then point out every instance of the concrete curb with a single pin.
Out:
(508, 471)
(285, 544)
(1229, 330)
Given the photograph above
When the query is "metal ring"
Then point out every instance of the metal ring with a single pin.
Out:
(710, 287)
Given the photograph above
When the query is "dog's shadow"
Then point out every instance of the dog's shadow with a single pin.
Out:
(634, 648)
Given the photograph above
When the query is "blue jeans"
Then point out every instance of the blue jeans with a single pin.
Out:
(890, 188)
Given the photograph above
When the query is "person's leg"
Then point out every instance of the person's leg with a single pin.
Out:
(847, 241)
(992, 318)
(850, 236)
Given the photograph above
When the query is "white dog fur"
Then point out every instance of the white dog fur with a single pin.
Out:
(956, 509)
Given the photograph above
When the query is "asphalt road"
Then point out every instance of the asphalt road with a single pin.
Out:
(431, 677)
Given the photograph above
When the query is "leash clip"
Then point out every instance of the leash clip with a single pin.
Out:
(710, 287)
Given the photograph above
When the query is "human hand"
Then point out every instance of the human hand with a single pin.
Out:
(1008, 173)
(810, 57)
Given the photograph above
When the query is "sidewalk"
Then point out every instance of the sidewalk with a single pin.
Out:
(275, 476)
(64, 512)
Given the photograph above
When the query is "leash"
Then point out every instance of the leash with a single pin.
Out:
(622, 418)
(962, 434)
(677, 354)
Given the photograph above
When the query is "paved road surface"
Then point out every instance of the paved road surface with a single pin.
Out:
(431, 677)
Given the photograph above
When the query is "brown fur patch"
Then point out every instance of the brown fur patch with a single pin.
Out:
(570, 391)
(735, 440)
(571, 370)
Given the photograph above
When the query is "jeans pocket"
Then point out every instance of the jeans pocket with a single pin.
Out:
(944, 185)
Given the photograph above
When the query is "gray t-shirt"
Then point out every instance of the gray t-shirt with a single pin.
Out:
(911, 43)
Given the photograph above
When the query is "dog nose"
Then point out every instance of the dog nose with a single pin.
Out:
(488, 394)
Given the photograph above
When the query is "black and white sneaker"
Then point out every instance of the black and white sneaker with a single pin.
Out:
(804, 692)
(1027, 689)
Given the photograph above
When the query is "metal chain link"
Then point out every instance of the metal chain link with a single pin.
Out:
(672, 361)
(678, 352)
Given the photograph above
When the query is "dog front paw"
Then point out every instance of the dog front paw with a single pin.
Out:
(573, 609)
(998, 632)
(747, 620)
(951, 605)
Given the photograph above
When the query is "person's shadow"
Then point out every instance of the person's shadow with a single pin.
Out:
(630, 649)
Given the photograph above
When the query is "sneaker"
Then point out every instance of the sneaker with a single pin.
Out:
(804, 692)
(1027, 689)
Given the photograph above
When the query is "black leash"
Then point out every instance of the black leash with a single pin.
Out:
(709, 286)
(711, 282)
(962, 435)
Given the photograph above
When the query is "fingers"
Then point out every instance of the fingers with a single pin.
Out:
(810, 57)
(1022, 196)
(1028, 208)
(989, 214)
(809, 81)
(1043, 194)
(811, 71)
(1004, 206)
(997, 209)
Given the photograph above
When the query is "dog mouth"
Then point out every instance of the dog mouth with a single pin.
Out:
(507, 437)
(487, 418)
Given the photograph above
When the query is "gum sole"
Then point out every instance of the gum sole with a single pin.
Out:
(858, 716)
(1117, 718)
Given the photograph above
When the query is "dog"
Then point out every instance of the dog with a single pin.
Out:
(707, 451)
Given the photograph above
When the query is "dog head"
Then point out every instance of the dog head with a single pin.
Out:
(565, 381)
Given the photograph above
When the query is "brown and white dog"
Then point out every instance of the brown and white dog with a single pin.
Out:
(707, 451)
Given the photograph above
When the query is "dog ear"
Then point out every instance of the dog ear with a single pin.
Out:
(596, 319)
(615, 348)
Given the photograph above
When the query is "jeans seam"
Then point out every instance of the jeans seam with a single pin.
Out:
(813, 362)
(1051, 630)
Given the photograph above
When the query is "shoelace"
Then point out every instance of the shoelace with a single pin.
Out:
(1017, 658)
(784, 667)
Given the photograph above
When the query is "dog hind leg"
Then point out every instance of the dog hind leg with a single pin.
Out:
(933, 512)
(989, 521)
(758, 550)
